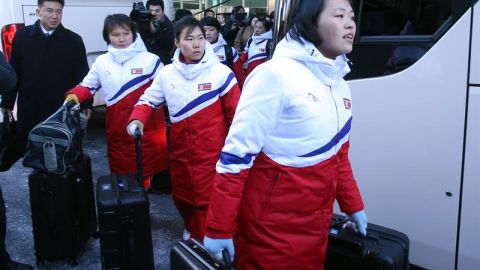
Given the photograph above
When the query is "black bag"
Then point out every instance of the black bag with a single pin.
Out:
(190, 255)
(8, 152)
(56, 143)
(63, 211)
(124, 221)
(381, 249)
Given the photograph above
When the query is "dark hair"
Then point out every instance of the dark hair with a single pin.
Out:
(251, 17)
(40, 2)
(180, 13)
(118, 20)
(265, 23)
(302, 20)
(188, 22)
(211, 21)
(155, 3)
(272, 15)
(236, 9)
(208, 10)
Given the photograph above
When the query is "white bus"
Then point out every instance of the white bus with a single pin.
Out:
(415, 147)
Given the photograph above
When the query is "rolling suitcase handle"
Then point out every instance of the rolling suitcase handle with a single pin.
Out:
(138, 148)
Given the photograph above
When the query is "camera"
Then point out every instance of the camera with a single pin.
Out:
(140, 14)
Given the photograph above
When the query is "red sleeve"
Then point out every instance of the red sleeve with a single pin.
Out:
(224, 203)
(141, 113)
(82, 92)
(230, 102)
(348, 195)
(239, 72)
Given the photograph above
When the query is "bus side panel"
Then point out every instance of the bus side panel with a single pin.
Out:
(475, 64)
(469, 255)
(407, 144)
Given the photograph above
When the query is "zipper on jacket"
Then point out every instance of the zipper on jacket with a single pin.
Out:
(338, 117)
(268, 195)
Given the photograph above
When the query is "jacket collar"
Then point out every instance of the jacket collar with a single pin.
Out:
(36, 30)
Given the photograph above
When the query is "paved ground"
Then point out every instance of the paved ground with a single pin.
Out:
(166, 222)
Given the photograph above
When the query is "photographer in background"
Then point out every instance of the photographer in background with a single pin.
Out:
(237, 21)
(155, 28)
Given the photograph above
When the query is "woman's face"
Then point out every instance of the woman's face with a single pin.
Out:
(336, 28)
(211, 33)
(259, 28)
(120, 37)
(221, 19)
(192, 45)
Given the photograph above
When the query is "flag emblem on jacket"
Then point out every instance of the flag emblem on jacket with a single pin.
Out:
(347, 103)
(136, 71)
(205, 86)
(221, 57)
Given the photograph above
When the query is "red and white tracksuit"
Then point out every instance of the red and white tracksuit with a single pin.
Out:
(255, 53)
(237, 65)
(122, 75)
(201, 98)
(285, 161)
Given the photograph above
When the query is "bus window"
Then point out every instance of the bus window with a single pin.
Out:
(393, 34)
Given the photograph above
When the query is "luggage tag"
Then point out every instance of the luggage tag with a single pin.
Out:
(50, 155)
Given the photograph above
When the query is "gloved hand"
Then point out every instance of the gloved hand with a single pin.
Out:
(360, 219)
(215, 246)
(133, 126)
(71, 97)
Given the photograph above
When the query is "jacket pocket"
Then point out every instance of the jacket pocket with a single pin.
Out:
(268, 195)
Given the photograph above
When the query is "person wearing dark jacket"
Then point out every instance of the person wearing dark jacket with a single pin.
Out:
(49, 60)
(8, 79)
(158, 37)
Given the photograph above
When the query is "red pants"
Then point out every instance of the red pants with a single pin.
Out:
(194, 218)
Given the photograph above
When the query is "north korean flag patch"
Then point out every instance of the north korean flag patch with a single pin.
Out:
(136, 71)
(347, 103)
(205, 86)
(221, 57)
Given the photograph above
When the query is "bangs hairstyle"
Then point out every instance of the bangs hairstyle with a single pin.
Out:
(40, 2)
(189, 23)
(211, 21)
(266, 24)
(302, 20)
(122, 20)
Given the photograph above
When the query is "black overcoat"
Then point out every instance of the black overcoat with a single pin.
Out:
(47, 67)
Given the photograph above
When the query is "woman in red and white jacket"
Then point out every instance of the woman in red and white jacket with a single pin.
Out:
(257, 50)
(285, 159)
(123, 74)
(201, 95)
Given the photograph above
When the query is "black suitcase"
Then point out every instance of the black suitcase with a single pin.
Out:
(190, 255)
(124, 221)
(382, 249)
(63, 211)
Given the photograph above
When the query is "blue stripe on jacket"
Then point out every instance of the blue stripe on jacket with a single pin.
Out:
(134, 81)
(342, 133)
(205, 97)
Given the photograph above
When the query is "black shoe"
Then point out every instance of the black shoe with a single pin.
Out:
(18, 266)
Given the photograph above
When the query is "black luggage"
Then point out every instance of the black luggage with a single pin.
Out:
(190, 255)
(56, 143)
(124, 221)
(382, 249)
(63, 211)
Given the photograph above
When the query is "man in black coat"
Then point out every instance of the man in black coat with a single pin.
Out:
(8, 80)
(49, 60)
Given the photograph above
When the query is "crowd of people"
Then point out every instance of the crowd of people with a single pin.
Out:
(257, 146)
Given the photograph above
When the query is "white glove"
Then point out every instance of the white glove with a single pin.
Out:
(360, 220)
(133, 126)
(215, 246)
